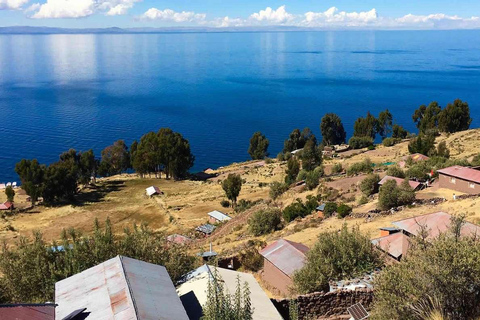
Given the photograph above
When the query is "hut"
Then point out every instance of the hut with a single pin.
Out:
(152, 191)
(217, 216)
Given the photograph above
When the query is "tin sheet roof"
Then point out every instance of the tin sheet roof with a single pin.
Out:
(416, 157)
(153, 190)
(396, 244)
(435, 224)
(321, 207)
(27, 311)
(288, 256)
(413, 184)
(193, 292)
(206, 228)
(460, 172)
(120, 288)
(220, 216)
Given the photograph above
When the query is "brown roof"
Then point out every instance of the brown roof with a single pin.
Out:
(395, 244)
(435, 224)
(287, 256)
(27, 311)
(460, 172)
(416, 157)
(413, 184)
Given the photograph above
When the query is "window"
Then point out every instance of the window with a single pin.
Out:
(452, 180)
(471, 185)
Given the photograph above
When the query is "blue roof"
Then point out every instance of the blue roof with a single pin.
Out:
(321, 207)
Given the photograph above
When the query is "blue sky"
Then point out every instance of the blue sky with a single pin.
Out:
(323, 14)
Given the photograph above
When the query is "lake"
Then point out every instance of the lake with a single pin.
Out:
(86, 91)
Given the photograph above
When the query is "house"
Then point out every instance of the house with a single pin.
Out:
(416, 157)
(281, 259)
(395, 244)
(119, 288)
(178, 239)
(320, 210)
(152, 190)
(414, 184)
(217, 216)
(206, 229)
(6, 205)
(193, 291)
(462, 179)
(27, 311)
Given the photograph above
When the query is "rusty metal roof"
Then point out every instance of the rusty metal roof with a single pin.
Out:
(120, 288)
(27, 311)
(460, 172)
(416, 157)
(399, 181)
(395, 244)
(435, 223)
(288, 256)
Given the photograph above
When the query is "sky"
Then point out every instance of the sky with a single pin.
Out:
(315, 14)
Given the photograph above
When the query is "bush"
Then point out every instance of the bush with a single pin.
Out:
(311, 203)
(251, 259)
(395, 171)
(225, 203)
(364, 166)
(343, 210)
(363, 200)
(245, 205)
(264, 221)
(302, 175)
(292, 171)
(391, 195)
(330, 208)
(336, 256)
(295, 210)
(360, 142)
(442, 150)
(313, 179)
(390, 142)
(337, 168)
(422, 144)
(369, 185)
(277, 189)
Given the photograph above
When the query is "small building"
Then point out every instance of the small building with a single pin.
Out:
(394, 244)
(320, 210)
(208, 255)
(328, 151)
(178, 239)
(7, 206)
(206, 229)
(193, 291)
(27, 311)
(119, 288)
(217, 216)
(281, 259)
(414, 184)
(152, 191)
(458, 178)
(416, 157)
(294, 152)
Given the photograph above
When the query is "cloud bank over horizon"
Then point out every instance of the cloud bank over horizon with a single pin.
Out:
(332, 18)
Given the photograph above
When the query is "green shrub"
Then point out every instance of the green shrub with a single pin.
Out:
(363, 200)
(395, 171)
(277, 189)
(360, 167)
(343, 210)
(251, 259)
(311, 203)
(225, 203)
(337, 168)
(330, 208)
(295, 210)
(312, 180)
(360, 142)
(264, 221)
(369, 185)
(302, 175)
(391, 195)
(390, 142)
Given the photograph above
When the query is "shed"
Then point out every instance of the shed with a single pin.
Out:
(463, 179)
(416, 157)
(217, 216)
(207, 228)
(414, 184)
(120, 288)
(281, 259)
(152, 190)
(27, 311)
(395, 244)
(193, 292)
(6, 205)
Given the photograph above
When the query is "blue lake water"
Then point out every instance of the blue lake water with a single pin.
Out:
(86, 91)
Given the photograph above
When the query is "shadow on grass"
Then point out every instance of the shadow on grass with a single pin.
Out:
(97, 193)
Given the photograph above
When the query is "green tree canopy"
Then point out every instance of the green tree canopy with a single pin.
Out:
(297, 140)
(232, 186)
(115, 159)
(424, 144)
(365, 127)
(332, 129)
(258, 148)
(10, 193)
(31, 175)
(264, 222)
(311, 156)
(455, 117)
(293, 168)
(426, 118)
(384, 123)
(88, 167)
(391, 195)
(399, 132)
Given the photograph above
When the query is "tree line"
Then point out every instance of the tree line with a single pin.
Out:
(164, 151)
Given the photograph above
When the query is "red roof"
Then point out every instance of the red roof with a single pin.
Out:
(287, 256)
(27, 312)
(416, 157)
(178, 238)
(396, 244)
(413, 184)
(460, 172)
(435, 224)
(6, 205)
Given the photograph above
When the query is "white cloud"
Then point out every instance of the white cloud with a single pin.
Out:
(435, 21)
(12, 4)
(226, 22)
(79, 8)
(173, 16)
(334, 18)
(270, 16)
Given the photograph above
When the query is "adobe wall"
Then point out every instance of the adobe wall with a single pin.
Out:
(459, 185)
(327, 304)
(276, 278)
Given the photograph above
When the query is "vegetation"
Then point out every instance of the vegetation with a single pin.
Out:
(424, 144)
(384, 124)
(398, 132)
(365, 127)
(250, 258)
(311, 155)
(31, 269)
(391, 195)
(332, 129)
(389, 142)
(395, 171)
(232, 186)
(297, 140)
(336, 256)
(343, 210)
(330, 209)
(277, 189)
(258, 148)
(426, 118)
(115, 159)
(369, 185)
(10, 193)
(312, 178)
(293, 168)
(455, 117)
(337, 168)
(442, 150)
(31, 175)
(360, 142)
(264, 222)
(360, 167)
(299, 209)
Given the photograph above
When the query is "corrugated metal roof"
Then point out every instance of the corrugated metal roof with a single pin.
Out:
(196, 285)
(396, 244)
(26, 311)
(153, 190)
(288, 256)
(120, 288)
(220, 216)
(435, 224)
(416, 157)
(7, 205)
(460, 172)
(206, 228)
(399, 181)
(321, 207)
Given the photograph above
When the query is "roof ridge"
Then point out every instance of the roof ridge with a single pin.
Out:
(292, 242)
(130, 293)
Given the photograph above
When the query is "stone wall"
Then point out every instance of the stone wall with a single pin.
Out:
(327, 304)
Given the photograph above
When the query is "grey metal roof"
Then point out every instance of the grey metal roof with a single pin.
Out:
(321, 207)
(206, 228)
(220, 216)
(120, 288)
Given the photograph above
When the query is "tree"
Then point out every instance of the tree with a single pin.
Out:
(293, 168)
(365, 127)
(424, 144)
(395, 171)
(330, 209)
(146, 158)
(31, 175)
(391, 195)
(336, 256)
(311, 156)
(258, 146)
(10, 193)
(88, 167)
(343, 210)
(297, 140)
(384, 123)
(232, 186)
(369, 185)
(426, 118)
(277, 189)
(360, 142)
(115, 159)
(332, 129)
(455, 117)
(182, 159)
(60, 182)
(295, 210)
(264, 222)
(399, 132)
(445, 270)
(442, 150)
